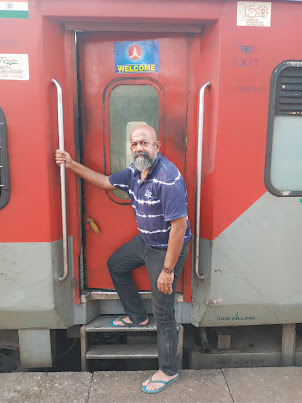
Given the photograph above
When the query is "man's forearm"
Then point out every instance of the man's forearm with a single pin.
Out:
(175, 244)
(95, 178)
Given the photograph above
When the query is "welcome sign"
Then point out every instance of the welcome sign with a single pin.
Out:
(136, 57)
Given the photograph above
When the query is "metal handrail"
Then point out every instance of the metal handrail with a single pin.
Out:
(63, 180)
(198, 179)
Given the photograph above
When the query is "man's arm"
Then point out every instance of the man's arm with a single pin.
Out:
(175, 244)
(89, 175)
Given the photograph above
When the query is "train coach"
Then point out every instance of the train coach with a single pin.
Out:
(221, 82)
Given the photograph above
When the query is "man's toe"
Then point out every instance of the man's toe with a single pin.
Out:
(147, 381)
(154, 386)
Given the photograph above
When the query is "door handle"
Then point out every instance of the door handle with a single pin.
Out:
(63, 179)
(93, 225)
(198, 179)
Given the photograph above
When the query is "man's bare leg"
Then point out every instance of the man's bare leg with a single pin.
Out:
(158, 376)
(127, 320)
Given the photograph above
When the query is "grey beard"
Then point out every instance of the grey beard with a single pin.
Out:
(144, 163)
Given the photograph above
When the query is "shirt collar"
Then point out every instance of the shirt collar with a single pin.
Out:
(155, 164)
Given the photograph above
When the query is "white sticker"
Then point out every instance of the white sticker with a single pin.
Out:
(253, 14)
(14, 67)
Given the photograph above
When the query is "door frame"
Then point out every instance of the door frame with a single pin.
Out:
(194, 32)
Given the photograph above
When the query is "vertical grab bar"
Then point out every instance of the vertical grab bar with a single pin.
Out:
(198, 179)
(63, 180)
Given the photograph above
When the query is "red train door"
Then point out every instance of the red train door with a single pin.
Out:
(116, 98)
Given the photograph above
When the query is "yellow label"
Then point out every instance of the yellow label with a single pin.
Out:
(125, 68)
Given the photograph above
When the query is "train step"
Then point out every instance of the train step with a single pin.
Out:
(122, 351)
(102, 324)
(138, 345)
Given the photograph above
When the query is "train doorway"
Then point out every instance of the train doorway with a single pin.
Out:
(126, 80)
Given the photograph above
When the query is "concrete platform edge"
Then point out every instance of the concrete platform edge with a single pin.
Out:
(232, 385)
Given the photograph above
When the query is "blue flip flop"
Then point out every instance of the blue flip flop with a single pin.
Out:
(165, 384)
(125, 323)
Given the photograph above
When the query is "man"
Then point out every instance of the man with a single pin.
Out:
(158, 195)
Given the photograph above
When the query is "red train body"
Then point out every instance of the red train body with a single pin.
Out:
(73, 41)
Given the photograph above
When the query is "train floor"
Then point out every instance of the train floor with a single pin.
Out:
(237, 385)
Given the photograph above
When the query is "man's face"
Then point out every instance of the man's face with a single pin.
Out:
(144, 146)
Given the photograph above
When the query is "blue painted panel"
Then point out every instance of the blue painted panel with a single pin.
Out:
(136, 57)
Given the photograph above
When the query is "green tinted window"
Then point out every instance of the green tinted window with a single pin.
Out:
(286, 157)
(283, 169)
(129, 106)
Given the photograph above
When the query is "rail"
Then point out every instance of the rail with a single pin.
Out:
(198, 179)
(63, 179)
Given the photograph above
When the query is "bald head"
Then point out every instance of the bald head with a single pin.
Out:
(147, 131)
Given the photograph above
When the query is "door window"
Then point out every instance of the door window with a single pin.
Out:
(129, 106)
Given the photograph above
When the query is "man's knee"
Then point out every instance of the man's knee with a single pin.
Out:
(163, 314)
(111, 263)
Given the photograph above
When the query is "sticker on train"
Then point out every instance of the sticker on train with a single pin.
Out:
(14, 9)
(14, 67)
(236, 317)
(136, 57)
(254, 14)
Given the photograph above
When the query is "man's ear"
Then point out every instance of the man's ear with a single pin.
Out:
(157, 145)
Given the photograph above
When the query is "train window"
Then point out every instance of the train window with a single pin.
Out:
(129, 106)
(4, 165)
(283, 166)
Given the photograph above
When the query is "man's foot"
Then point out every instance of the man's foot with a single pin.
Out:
(125, 320)
(158, 376)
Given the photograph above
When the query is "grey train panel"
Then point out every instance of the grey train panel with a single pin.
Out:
(31, 294)
(253, 268)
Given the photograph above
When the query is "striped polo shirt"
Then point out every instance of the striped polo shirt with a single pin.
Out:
(160, 198)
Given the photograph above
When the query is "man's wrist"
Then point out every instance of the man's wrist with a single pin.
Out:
(168, 270)
(71, 164)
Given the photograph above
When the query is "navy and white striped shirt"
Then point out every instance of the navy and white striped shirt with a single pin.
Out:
(157, 200)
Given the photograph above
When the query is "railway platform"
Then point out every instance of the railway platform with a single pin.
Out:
(238, 385)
